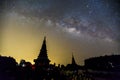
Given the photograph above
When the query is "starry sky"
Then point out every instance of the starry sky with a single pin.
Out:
(86, 28)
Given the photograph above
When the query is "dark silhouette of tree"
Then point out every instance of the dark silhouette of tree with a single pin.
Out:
(103, 62)
(8, 68)
(25, 71)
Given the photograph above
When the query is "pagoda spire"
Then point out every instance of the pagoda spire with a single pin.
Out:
(43, 50)
(73, 60)
(42, 57)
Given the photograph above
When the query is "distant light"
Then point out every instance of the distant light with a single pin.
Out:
(23, 65)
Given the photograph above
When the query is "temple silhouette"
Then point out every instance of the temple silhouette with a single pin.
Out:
(95, 68)
(73, 60)
(42, 59)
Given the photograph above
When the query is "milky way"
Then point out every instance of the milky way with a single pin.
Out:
(97, 18)
(94, 19)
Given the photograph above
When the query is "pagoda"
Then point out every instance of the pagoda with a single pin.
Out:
(42, 59)
(73, 60)
(73, 66)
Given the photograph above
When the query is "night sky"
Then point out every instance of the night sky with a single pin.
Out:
(86, 28)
